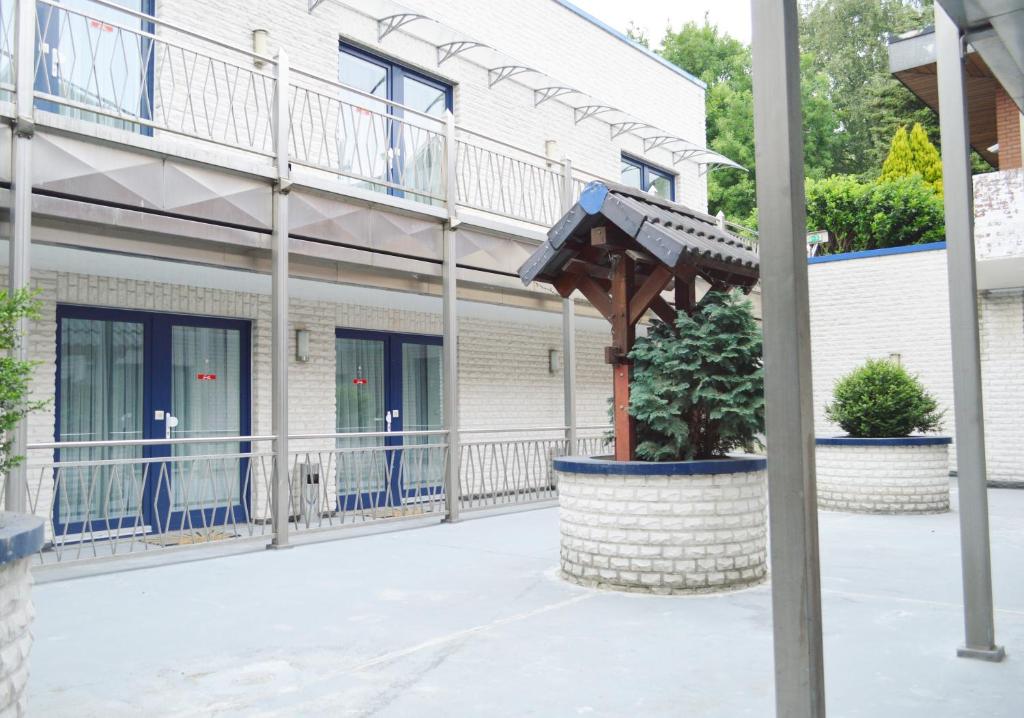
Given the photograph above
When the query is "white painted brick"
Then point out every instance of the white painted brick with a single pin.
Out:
(679, 551)
(16, 614)
(888, 479)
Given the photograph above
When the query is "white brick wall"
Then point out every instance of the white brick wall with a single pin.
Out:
(883, 479)
(16, 613)
(663, 534)
(898, 304)
(555, 41)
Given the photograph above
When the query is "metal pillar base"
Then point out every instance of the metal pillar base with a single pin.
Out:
(278, 547)
(993, 655)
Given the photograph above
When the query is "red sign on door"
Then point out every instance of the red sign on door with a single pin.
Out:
(359, 381)
(206, 377)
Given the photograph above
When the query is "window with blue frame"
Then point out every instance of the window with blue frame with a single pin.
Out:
(648, 178)
(391, 135)
(97, 62)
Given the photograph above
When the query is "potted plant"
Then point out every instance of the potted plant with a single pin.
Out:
(881, 465)
(690, 515)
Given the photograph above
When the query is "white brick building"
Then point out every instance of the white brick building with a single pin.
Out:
(167, 145)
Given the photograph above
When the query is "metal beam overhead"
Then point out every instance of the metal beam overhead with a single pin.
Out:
(504, 72)
(958, 197)
(586, 111)
(656, 141)
(793, 519)
(621, 128)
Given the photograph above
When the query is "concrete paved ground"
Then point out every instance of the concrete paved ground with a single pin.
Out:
(471, 620)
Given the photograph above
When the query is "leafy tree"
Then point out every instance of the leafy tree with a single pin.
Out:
(913, 154)
(881, 399)
(848, 42)
(697, 388)
(15, 374)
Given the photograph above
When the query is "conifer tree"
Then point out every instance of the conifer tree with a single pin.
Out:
(913, 154)
(900, 161)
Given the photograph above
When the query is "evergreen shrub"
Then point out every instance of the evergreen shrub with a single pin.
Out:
(882, 399)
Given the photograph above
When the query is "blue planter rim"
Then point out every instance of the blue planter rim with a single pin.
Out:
(883, 441)
(597, 465)
(21, 535)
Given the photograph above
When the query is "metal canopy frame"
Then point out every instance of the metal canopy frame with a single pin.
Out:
(392, 16)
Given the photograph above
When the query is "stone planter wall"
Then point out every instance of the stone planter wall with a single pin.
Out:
(671, 529)
(907, 475)
(20, 537)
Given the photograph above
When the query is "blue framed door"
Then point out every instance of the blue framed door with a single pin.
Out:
(387, 383)
(124, 375)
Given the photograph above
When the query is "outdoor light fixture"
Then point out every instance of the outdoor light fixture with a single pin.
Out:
(551, 151)
(302, 345)
(554, 361)
(896, 359)
(259, 45)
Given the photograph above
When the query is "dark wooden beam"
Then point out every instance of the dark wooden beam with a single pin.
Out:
(596, 295)
(623, 336)
(653, 286)
(664, 311)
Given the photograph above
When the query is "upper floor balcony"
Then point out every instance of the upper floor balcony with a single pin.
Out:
(103, 71)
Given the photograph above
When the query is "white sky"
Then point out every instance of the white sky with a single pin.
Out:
(731, 16)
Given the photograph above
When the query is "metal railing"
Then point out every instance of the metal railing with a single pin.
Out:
(102, 499)
(110, 65)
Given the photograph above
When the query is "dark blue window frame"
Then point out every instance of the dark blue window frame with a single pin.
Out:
(156, 393)
(44, 70)
(396, 73)
(393, 343)
(647, 170)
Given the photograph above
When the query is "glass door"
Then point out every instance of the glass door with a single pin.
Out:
(364, 471)
(136, 375)
(389, 384)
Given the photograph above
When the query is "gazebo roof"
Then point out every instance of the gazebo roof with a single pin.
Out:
(672, 234)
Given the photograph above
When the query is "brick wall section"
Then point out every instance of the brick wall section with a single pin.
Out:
(883, 479)
(663, 534)
(876, 306)
(16, 613)
(999, 214)
(1007, 131)
(555, 41)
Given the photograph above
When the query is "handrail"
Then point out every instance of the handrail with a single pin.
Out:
(362, 93)
(113, 443)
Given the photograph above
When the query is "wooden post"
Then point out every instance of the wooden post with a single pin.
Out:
(623, 336)
(686, 295)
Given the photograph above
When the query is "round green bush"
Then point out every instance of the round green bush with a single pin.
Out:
(882, 399)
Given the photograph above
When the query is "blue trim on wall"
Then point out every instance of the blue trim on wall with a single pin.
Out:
(888, 441)
(21, 535)
(635, 45)
(731, 465)
(906, 249)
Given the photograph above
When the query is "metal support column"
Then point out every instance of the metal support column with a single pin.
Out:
(796, 581)
(280, 494)
(450, 327)
(963, 317)
(20, 244)
(452, 486)
(569, 334)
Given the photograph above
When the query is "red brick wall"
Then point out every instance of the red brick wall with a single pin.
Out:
(1007, 131)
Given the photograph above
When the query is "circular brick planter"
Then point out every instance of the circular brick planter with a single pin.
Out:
(905, 475)
(20, 537)
(667, 528)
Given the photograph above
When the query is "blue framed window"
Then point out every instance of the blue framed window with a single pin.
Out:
(648, 178)
(382, 146)
(97, 56)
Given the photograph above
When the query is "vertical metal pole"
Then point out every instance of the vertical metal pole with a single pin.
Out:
(451, 191)
(280, 495)
(796, 581)
(452, 487)
(20, 245)
(963, 316)
(568, 334)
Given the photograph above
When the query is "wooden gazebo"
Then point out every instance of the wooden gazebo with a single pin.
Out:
(623, 250)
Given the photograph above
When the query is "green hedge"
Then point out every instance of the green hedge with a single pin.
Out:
(873, 215)
(882, 399)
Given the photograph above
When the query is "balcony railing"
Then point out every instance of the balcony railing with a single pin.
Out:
(109, 65)
(102, 499)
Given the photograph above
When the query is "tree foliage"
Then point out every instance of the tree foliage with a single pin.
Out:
(15, 374)
(872, 215)
(881, 399)
(913, 154)
(697, 388)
